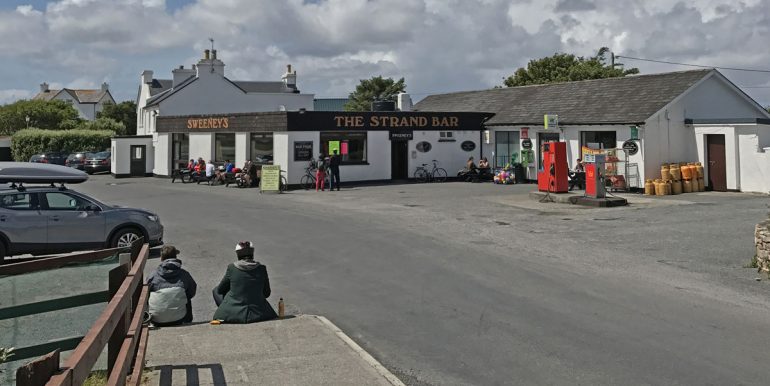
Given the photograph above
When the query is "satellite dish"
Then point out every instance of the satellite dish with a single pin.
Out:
(39, 173)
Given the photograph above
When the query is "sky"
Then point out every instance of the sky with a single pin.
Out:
(436, 45)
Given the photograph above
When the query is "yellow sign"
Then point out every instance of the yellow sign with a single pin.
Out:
(271, 178)
(334, 145)
(551, 121)
(208, 123)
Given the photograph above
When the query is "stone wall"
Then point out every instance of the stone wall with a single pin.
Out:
(762, 242)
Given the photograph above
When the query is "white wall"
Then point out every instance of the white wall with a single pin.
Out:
(754, 149)
(201, 145)
(242, 148)
(732, 156)
(713, 98)
(448, 154)
(377, 157)
(121, 154)
(162, 146)
(295, 170)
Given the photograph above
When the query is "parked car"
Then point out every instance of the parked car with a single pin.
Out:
(77, 160)
(98, 162)
(266, 159)
(53, 157)
(45, 219)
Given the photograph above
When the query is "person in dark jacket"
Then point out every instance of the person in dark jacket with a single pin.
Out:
(171, 290)
(241, 296)
(334, 168)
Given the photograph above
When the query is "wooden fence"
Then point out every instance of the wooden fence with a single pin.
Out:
(120, 326)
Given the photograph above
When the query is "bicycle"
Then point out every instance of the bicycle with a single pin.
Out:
(308, 180)
(421, 174)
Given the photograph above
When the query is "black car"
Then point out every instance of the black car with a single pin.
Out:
(55, 158)
(78, 160)
(98, 162)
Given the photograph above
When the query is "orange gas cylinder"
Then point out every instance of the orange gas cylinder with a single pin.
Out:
(701, 185)
(676, 187)
(687, 186)
(687, 172)
(676, 172)
(699, 170)
(665, 172)
(649, 188)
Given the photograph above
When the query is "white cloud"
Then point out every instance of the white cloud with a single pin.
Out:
(437, 45)
(10, 95)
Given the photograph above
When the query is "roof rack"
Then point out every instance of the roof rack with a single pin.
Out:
(38, 173)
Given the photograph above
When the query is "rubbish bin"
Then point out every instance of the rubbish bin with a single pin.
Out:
(519, 173)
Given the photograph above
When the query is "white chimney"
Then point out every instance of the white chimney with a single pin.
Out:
(44, 87)
(290, 78)
(181, 74)
(404, 102)
(146, 76)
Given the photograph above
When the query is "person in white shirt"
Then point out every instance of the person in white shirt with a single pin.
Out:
(209, 169)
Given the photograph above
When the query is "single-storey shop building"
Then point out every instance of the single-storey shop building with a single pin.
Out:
(690, 116)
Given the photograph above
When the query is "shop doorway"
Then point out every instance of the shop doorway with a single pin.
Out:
(541, 139)
(399, 160)
(717, 166)
(138, 160)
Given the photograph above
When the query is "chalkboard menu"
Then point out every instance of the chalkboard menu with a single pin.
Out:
(303, 150)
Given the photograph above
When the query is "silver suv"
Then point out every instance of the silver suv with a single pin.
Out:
(43, 220)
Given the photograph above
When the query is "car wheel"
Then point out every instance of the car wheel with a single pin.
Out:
(125, 237)
(2, 252)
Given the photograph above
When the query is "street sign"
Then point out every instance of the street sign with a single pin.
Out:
(271, 178)
(526, 143)
(631, 147)
(551, 121)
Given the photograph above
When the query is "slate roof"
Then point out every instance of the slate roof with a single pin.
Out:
(159, 85)
(82, 96)
(166, 90)
(329, 104)
(626, 100)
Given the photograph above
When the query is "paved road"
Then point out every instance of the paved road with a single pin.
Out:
(475, 284)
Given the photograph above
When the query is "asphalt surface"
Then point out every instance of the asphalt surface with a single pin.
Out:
(476, 284)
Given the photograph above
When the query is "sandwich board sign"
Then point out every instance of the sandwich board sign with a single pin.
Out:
(271, 178)
(551, 121)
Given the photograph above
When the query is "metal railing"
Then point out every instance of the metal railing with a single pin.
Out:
(120, 326)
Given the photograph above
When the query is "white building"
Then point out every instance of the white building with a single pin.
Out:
(672, 117)
(86, 102)
(203, 90)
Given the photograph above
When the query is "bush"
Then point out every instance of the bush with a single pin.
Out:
(28, 142)
(103, 124)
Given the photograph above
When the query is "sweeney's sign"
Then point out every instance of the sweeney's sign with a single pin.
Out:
(208, 123)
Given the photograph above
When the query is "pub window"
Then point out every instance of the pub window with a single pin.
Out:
(506, 148)
(180, 150)
(446, 136)
(598, 139)
(351, 145)
(261, 147)
(224, 147)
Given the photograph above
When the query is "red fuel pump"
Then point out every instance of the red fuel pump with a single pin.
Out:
(553, 176)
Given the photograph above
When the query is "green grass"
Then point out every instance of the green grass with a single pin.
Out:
(97, 378)
(754, 263)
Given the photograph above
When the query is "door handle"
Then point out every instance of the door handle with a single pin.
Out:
(2, 218)
(55, 218)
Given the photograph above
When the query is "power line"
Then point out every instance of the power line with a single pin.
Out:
(693, 65)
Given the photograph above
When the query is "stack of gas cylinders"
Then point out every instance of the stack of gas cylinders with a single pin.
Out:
(677, 178)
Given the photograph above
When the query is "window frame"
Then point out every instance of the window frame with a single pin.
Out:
(45, 205)
(34, 201)
(224, 158)
(324, 144)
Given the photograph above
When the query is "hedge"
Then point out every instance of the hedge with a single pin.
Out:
(28, 142)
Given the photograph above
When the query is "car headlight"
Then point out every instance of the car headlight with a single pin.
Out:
(152, 217)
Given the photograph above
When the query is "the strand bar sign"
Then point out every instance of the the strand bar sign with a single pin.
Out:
(208, 123)
(389, 121)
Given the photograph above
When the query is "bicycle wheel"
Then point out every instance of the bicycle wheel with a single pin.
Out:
(421, 175)
(283, 184)
(307, 182)
(439, 175)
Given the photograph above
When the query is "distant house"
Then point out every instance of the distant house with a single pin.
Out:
(86, 102)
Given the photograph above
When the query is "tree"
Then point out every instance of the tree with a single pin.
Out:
(42, 114)
(375, 89)
(123, 112)
(565, 68)
(103, 123)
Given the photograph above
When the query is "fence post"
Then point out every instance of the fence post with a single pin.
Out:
(39, 371)
(116, 277)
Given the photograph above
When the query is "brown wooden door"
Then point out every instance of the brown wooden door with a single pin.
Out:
(717, 168)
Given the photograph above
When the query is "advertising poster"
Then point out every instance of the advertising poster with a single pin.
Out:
(334, 145)
(271, 177)
(344, 148)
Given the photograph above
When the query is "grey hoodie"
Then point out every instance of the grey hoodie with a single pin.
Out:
(171, 274)
(246, 264)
